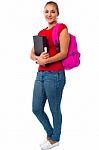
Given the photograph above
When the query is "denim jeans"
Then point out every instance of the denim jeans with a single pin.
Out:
(49, 86)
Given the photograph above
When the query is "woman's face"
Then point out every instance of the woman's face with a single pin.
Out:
(50, 13)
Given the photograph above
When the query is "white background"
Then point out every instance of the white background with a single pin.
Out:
(19, 128)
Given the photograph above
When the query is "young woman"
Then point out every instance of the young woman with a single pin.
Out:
(50, 78)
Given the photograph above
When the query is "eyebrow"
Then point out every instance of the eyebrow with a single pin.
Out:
(50, 10)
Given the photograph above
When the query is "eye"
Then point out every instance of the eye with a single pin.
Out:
(46, 11)
(53, 11)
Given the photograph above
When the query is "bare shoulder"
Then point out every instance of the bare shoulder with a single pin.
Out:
(64, 34)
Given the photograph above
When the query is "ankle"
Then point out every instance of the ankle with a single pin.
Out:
(48, 138)
(51, 141)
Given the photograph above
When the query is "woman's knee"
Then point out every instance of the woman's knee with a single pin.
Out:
(35, 110)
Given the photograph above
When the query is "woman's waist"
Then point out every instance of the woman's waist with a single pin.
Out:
(51, 75)
(57, 66)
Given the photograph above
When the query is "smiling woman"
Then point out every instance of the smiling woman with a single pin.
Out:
(51, 11)
(50, 80)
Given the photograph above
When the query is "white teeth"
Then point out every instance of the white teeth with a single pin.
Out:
(49, 18)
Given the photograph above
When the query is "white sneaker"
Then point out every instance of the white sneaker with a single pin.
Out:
(48, 145)
(44, 142)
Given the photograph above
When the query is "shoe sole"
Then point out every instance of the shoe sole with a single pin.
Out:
(50, 147)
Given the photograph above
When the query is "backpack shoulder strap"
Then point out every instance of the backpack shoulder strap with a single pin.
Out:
(55, 36)
(55, 33)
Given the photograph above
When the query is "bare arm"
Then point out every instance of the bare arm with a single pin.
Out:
(64, 43)
(32, 55)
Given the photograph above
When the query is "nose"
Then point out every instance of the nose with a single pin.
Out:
(49, 14)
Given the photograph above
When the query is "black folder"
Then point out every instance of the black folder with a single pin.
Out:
(40, 42)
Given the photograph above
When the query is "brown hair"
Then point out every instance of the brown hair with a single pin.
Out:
(53, 3)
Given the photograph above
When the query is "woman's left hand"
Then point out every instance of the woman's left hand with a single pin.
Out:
(42, 59)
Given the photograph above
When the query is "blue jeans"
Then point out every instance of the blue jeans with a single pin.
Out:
(49, 85)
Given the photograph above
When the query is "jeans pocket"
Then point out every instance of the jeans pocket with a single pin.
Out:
(61, 79)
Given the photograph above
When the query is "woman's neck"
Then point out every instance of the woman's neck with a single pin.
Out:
(50, 25)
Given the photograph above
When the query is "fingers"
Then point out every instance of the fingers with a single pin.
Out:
(44, 55)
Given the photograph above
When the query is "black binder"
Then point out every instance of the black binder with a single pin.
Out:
(40, 42)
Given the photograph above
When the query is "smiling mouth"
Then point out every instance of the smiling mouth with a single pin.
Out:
(49, 18)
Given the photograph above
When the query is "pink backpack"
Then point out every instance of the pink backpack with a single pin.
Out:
(73, 57)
